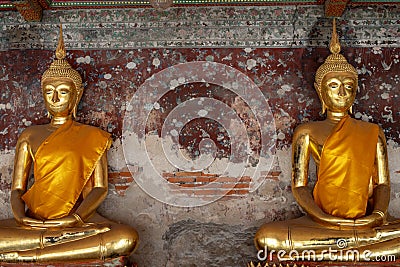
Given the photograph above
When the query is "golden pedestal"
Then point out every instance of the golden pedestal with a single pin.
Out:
(114, 262)
(324, 264)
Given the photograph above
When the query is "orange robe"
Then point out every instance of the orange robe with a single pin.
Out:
(63, 165)
(346, 168)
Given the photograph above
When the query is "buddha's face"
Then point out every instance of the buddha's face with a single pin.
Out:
(60, 96)
(338, 90)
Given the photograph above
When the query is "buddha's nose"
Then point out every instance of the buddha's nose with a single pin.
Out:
(342, 92)
(55, 97)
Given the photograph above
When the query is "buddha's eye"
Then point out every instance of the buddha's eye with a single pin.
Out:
(49, 92)
(333, 85)
(348, 86)
(63, 92)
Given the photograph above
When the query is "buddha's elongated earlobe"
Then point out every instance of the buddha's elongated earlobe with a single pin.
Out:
(79, 92)
(323, 108)
(318, 89)
(351, 109)
(74, 112)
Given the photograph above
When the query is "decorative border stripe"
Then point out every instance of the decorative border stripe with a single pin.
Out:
(186, 27)
(67, 4)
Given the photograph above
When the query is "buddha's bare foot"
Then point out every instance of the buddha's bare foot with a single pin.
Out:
(22, 256)
(9, 257)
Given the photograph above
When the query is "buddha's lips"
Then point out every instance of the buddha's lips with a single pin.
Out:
(59, 106)
(342, 100)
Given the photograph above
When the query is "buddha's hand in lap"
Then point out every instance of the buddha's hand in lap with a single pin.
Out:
(68, 221)
(29, 222)
(333, 221)
(369, 221)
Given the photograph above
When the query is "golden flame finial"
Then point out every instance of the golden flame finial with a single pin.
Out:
(334, 45)
(60, 51)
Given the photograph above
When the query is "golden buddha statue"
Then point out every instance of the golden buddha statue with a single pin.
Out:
(55, 218)
(347, 209)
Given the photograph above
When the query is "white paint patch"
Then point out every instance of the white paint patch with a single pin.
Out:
(202, 113)
(156, 106)
(394, 162)
(385, 96)
(251, 63)
(281, 136)
(156, 62)
(5, 106)
(131, 65)
(116, 159)
(85, 60)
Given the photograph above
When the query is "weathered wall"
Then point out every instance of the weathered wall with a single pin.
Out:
(278, 49)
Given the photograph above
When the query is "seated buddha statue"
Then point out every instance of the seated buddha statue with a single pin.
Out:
(347, 208)
(55, 216)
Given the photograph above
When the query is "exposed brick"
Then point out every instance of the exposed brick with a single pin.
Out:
(274, 173)
(125, 174)
(209, 174)
(181, 179)
(190, 185)
(210, 178)
(116, 177)
(112, 180)
(203, 179)
(129, 179)
(245, 179)
(121, 187)
(117, 180)
(242, 185)
(188, 173)
(121, 181)
(113, 174)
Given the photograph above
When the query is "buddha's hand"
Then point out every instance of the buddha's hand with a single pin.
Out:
(370, 221)
(330, 220)
(342, 223)
(29, 222)
(67, 221)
